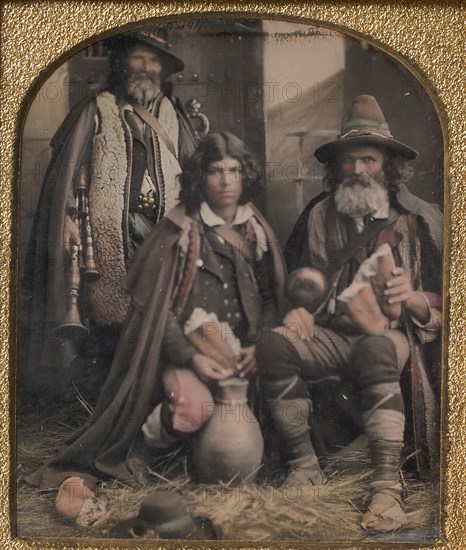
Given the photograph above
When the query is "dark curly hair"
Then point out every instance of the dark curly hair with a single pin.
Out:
(396, 172)
(212, 148)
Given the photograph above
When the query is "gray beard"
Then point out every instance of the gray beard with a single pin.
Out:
(143, 89)
(360, 199)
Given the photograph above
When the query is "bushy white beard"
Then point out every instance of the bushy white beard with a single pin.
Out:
(143, 88)
(364, 197)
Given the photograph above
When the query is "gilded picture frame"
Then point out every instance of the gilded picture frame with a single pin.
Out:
(38, 37)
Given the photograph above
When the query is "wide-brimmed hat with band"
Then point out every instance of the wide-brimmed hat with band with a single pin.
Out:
(364, 124)
(156, 39)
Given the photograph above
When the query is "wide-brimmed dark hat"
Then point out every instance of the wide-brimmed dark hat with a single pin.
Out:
(364, 124)
(156, 39)
(165, 514)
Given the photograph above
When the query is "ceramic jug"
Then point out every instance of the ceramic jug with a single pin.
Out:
(230, 445)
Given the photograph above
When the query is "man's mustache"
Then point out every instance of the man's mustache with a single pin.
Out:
(141, 76)
(362, 179)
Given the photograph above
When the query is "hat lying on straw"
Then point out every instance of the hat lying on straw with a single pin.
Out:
(164, 515)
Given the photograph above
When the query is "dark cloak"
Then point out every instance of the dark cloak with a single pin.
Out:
(133, 387)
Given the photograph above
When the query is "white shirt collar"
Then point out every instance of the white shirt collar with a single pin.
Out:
(243, 214)
(382, 212)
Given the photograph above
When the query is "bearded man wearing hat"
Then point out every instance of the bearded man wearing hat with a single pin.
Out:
(376, 338)
(125, 145)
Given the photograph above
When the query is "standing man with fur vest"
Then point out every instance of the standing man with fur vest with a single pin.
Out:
(370, 325)
(125, 145)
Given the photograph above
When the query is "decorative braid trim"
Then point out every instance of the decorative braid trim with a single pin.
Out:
(167, 166)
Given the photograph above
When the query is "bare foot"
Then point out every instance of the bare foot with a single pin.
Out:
(71, 496)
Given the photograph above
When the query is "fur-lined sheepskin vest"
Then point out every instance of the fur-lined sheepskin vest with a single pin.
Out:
(109, 196)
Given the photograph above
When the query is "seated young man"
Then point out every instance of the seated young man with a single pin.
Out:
(230, 266)
(213, 252)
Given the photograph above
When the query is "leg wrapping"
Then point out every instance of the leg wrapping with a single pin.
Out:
(291, 421)
(377, 374)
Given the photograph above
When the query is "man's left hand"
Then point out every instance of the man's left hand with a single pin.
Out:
(399, 288)
(400, 291)
(247, 366)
